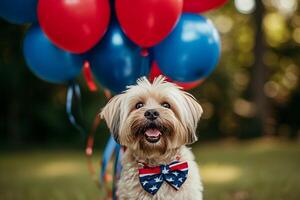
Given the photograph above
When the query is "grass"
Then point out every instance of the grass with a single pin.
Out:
(257, 170)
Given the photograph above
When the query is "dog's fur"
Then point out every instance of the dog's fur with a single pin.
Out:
(177, 125)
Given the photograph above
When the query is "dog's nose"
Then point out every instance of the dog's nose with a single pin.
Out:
(151, 114)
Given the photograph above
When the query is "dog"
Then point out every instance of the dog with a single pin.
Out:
(154, 122)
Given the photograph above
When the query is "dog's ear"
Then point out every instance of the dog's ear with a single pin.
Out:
(194, 112)
(111, 114)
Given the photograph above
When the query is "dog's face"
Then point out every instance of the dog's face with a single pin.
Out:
(153, 118)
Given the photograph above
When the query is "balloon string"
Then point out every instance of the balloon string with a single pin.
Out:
(89, 77)
(74, 95)
(107, 94)
(144, 52)
(111, 147)
(89, 151)
(107, 154)
(100, 183)
(145, 64)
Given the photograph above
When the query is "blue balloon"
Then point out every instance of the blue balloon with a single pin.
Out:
(116, 61)
(19, 11)
(47, 61)
(191, 51)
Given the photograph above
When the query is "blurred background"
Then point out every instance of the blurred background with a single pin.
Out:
(249, 146)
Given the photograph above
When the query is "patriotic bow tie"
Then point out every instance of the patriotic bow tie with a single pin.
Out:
(175, 174)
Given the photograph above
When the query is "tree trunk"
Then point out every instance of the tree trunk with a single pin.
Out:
(259, 73)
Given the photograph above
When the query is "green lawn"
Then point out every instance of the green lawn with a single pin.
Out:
(257, 170)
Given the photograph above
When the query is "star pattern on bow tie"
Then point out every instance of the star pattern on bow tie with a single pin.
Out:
(144, 183)
(153, 188)
(165, 171)
(152, 178)
(157, 180)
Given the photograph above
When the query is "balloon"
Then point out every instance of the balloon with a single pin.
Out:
(47, 61)
(155, 71)
(191, 51)
(147, 22)
(116, 61)
(189, 85)
(74, 25)
(197, 6)
(19, 11)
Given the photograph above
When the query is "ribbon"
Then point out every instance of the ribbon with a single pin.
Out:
(73, 97)
(110, 148)
(107, 154)
(89, 150)
(89, 77)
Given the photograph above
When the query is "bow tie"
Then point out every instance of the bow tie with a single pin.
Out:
(175, 174)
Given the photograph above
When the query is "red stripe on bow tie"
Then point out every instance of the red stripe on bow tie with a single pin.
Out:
(179, 166)
(152, 170)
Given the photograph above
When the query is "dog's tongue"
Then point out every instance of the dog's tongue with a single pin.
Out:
(152, 133)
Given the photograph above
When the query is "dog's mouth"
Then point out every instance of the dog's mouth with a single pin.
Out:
(151, 132)
(152, 135)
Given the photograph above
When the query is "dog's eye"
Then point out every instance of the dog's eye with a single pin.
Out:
(166, 105)
(139, 105)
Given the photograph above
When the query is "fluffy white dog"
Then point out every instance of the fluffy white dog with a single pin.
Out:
(155, 122)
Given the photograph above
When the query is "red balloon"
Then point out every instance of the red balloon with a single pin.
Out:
(197, 6)
(155, 71)
(189, 85)
(147, 22)
(74, 25)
